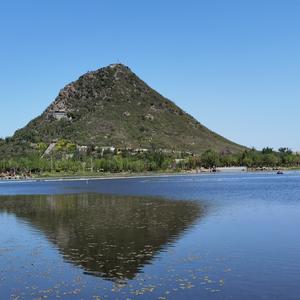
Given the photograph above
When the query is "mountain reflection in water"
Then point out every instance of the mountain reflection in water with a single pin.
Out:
(108, 236)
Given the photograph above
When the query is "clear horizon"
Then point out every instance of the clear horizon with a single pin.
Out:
(233, 66)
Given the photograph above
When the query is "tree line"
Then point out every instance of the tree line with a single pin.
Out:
(65, 159)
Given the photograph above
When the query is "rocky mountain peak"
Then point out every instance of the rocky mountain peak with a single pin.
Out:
(112, 106)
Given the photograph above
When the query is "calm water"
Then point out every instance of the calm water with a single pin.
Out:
(221, 236)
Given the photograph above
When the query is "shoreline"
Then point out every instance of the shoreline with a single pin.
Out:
(99, 177)
(111, 176)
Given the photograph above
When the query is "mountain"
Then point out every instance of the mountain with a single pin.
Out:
(113, 107)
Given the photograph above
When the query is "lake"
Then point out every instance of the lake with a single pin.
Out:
(211, 236)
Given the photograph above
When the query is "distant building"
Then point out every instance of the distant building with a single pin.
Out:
(107, 149)
(82, 148)
(59, 115)
(141, 150)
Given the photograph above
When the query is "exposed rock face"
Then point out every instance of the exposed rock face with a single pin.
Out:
(112, 106)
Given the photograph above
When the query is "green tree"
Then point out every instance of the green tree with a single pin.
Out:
(210, 159)
(270, 160)
(267, 150)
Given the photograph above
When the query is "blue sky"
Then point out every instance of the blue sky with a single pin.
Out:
(233, 65)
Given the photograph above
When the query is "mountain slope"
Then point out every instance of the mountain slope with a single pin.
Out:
(113, 107)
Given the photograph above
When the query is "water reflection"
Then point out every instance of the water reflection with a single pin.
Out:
(109, 236)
